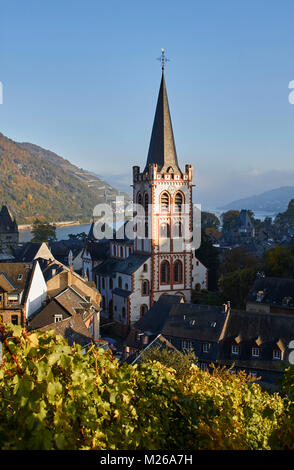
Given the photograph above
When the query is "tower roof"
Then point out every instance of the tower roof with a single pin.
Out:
(162, 149)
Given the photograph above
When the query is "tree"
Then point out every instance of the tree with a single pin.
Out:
(209, 220)
(52, 396)
(229, 219)
(43, 231)
(208, 255)
(237, 258)
(235, 286)
(279, 262)
(180, 362)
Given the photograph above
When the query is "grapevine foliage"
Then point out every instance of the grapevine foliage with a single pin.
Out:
(52, 396)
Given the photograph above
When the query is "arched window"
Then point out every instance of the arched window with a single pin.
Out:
(146, 202)
(164, 202)
(178, 272)
(164, 272)
(179, 201)
(119, 282)
(145, 287)
(143, 309)
(139, 199)
(145, 268)
(123, 311)
(146, 229)
(121, 252)
(164, 230)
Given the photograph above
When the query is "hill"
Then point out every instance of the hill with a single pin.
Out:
(35, 182)
(275, 200)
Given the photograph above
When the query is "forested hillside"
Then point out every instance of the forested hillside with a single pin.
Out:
(33, 185)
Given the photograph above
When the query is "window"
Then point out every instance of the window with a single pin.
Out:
(103, 283)
(14, 319)
(143, 309)
(19, 277)
(277, 354)
(202, 365)
(13, 299)
(139, 199)
(103, 303)
(145, 268)
(235, 349)
(110, 283)
(186, 344)
(178, 202)
(164, 272)
(119, 282)
(146, 202)
(164, 202)
(123, 311)
(145, 287)
(178, 272)
(126, 286)
(164, 230)
(146, 229)
(255, 352)
(205, 347)
(57, 318)
(114, 250)
(121, 252)
(178, 230)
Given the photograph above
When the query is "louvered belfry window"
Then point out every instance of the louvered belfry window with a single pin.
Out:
(164, 202)
(178, 202)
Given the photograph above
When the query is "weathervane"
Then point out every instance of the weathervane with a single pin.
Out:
(162, 59)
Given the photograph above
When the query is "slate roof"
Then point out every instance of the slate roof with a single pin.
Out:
(244, 220)
(28, 252)
(269, 329)
(121, 292)
(195, 322)
(124, 266)
(159, 342)
(99, 250)
(18, 276)
(162, 149)
(7, 223)
(155, 318)
(73, 329)
(276, 291)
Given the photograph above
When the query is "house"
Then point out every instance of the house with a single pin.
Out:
(69, 252)
(23, 291)
(69, 303)
(58, 277)
(271, 294)
(186, 326)
(9, 235)
(258, 343)
(31, 251)
(73, 329)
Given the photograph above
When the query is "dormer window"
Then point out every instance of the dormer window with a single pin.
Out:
(235, 349)
(57, 318)
(255, 352)
(19, 277)
(277, 354)
(205, 347)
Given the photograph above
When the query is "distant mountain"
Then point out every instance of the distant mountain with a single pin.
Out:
(35, 182)
(276, 200)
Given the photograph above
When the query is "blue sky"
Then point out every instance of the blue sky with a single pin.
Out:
(81, 79)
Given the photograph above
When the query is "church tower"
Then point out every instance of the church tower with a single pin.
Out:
(164, 191)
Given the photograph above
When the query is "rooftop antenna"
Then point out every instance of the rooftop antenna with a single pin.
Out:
(162, 59)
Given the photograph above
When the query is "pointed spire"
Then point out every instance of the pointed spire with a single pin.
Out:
(162, 149)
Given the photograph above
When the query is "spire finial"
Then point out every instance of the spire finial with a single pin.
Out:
(162, 59)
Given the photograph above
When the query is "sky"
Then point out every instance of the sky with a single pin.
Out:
(81, 78)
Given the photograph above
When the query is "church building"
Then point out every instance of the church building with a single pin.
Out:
(159, 260)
